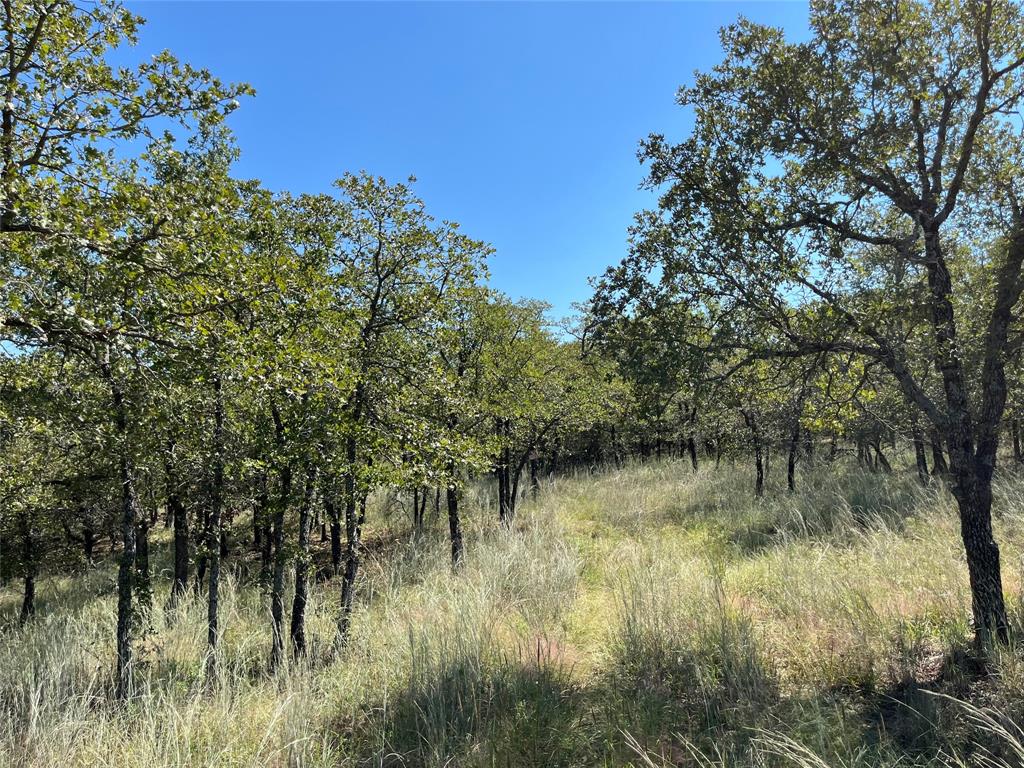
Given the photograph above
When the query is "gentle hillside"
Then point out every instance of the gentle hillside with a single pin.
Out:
(643, 616)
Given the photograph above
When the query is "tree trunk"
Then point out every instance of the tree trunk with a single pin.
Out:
(505, 501)
(88, 541)
(264, 522)
(126, 564)
(755, 434)
(334, 523)
(972, 488)
(213, 540)
(280, 558)
(202, 556)
(691, 448)
(454, 521)
(353, 534)
(1018, 455)
(29, 568)
(179, 519)
(880, 460)
(143, 582)
(972, 463)
(939, 466)
(298, 625)
(920, 457)
(417, 513)
(794, 448)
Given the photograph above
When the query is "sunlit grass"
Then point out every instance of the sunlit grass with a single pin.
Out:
(647, 616)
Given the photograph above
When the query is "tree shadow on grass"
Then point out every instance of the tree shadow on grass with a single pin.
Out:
(510, 710)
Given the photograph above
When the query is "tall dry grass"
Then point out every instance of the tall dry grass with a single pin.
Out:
(642, 616)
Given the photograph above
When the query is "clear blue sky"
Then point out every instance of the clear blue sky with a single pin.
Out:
(519, 120)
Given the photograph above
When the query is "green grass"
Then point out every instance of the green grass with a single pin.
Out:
(648, 616)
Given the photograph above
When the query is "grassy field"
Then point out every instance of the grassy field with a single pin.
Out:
(649, 617)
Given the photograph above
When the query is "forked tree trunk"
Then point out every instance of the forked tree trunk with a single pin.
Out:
(972, 487)
(973, 442)
(880, 460)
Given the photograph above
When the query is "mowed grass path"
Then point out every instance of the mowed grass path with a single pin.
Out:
(643, 616)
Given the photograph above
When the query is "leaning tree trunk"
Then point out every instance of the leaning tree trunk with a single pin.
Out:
(973, 444)
(880, 460)
(1018, 454)
(939, 466)
(921, 458)
(972, 488)
(298, 624)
